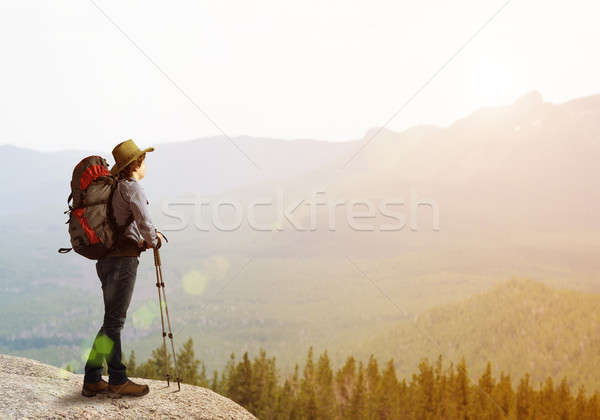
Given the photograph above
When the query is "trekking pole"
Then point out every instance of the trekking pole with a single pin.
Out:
(160, 284)
(162, 320)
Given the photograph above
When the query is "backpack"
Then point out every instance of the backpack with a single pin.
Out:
(92, 226)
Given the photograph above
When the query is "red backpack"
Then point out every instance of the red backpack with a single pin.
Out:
(92, 227)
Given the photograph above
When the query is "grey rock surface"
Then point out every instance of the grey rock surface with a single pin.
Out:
(33, 390)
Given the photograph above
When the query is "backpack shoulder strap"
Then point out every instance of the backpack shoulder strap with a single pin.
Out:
(119, 229)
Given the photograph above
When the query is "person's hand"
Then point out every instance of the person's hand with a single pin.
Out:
(160, 239)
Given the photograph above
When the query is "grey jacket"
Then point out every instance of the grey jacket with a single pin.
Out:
(129, 200)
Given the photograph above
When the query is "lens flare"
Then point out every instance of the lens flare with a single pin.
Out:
(194, 282)
(218, 265)
(144, 315)
(85, 354)
(104, 344)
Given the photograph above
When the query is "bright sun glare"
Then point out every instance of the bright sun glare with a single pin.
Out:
(492, 81)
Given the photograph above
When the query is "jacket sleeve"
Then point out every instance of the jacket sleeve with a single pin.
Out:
(140, 208)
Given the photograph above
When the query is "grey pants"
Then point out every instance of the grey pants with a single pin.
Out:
(117, 275)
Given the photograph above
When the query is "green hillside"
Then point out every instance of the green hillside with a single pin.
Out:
(521, 325)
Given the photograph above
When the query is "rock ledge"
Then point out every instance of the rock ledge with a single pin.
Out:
(30, 389)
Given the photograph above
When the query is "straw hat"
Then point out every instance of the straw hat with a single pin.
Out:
(125, 153)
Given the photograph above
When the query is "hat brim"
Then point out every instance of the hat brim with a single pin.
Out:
(117, 168)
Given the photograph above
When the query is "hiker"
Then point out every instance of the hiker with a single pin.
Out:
(117, 272)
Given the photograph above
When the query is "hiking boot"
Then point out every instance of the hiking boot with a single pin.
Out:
(91, 389)
(129, 388)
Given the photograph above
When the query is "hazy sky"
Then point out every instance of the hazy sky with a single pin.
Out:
(306, 69)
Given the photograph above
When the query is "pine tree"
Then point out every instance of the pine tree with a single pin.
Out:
(546, 397)
(486, 406)
(580, 404)
(387, 395)
(132, 365)
(240, 384)
(203, 379)
(524, 398)
(372, 383)
(504, 395)
(295, 382)
(187, 364)
(425, 390)
(345, 378)
(442, 393)
(285, 407)
(307, 397)
(295, 385)
(325, 391)
(215, 385)
(564, 400)
(404, 397)
(264, 385)
(593, 407)
(358, 402)
(154, 367)
(228, 376)
(461, 390)
(162, 358)
(446, 384)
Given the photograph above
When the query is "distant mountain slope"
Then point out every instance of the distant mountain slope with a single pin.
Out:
(518, 194)
(34, 180)
(203, 166)
(520, 326)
